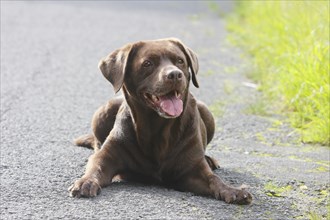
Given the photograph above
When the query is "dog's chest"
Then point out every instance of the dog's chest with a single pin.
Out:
(165, 159)
(161, 145)
(165, 171)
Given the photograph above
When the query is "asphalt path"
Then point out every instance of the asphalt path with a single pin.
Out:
(50, 87)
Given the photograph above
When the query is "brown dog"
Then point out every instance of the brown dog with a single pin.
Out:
(158, 131)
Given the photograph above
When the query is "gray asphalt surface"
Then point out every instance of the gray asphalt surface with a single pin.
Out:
(51, 86)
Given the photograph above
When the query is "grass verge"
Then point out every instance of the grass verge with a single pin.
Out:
(289, 45)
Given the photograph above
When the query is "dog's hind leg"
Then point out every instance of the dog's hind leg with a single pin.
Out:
(104, 119)
(213, 163)
(208, 120)
(102, 123)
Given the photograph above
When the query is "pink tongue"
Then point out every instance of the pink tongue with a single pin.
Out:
(171, 105)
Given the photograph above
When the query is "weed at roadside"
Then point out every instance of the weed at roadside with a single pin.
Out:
(289, 44)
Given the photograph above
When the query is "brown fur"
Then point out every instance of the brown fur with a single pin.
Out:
(134, 139)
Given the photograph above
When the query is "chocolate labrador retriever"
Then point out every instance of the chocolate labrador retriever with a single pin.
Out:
(158, 131)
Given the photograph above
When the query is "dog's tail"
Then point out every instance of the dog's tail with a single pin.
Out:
(87, 140)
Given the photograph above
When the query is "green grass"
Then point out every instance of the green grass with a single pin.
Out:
(217, 109)
(258, 108)
(289, 45)
(272, 189)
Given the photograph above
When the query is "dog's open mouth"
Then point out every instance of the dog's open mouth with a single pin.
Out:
(167, 106)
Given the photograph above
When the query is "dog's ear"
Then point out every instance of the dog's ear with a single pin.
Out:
(191, 58)
(113, 66)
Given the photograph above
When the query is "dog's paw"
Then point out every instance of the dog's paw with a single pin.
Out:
(234, 196)
(85, 187)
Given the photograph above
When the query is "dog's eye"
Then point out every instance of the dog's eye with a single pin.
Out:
(146, 63)
(180, 61)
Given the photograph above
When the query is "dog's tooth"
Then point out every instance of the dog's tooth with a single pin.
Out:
(154, 98)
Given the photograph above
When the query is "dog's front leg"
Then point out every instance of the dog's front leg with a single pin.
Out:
(101, 168)
(203, 181)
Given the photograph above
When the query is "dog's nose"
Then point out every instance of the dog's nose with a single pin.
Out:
(174, 75)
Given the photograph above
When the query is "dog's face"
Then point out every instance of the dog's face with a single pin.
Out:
(155, 73)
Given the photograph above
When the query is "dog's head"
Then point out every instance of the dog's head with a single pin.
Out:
(155, 73)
